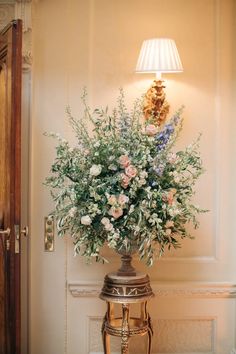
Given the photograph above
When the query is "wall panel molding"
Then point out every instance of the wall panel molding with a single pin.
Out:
(21, 9)
(163, 289)
(6, 14)
(172, 335)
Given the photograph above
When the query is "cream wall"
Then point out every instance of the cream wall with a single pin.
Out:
(95, 43)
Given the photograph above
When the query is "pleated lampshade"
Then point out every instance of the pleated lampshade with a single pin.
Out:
(159, 55)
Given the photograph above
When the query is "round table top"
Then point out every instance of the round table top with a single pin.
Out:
(126, 289)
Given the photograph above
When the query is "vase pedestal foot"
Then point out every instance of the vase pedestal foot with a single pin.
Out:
(126, 268)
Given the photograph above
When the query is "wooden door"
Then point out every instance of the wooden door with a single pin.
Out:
(10, 115)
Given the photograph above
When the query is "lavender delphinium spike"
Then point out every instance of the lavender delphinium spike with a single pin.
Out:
(164, 137)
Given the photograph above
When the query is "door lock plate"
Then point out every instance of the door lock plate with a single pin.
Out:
(17, 238)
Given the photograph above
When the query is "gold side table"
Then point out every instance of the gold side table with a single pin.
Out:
(126, 290)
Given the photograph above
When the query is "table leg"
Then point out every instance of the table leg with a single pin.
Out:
(144, 314)
(149, 346)
(105, 337)
(106, 342)
(125, 329)
(150, 334)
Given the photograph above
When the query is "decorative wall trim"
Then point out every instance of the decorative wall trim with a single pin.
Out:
(163, 289)
(6, 13)
(175, 259)
(7, 2)
(197, 259)
(182, 334)
(27, 60)
(20, 9)
(195, 289)
(85, 288)
(23, 10)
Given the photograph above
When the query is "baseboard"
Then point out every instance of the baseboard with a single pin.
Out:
(232, 352)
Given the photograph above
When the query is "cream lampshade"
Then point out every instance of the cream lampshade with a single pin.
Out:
(158, 55)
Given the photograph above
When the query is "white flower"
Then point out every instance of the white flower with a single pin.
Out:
(112, 200)
(112, 167)
(174, 211)
(176, 175)
(86, 220)
(108, 227)
(107, 224)
(95, 170)
(177, 179)
(143, 174)
(141, 182)
(63, 141)
(105, 221)
(131, 209)
(172, 157)
(72, 212)
(97, 144)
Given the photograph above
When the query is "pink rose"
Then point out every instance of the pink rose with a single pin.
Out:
(169, 224)
(123, 199)
(170, 196)
(124, 180)
(116, 212)
(124, 161)
(112, 200)
(151, 130)
(131, 171)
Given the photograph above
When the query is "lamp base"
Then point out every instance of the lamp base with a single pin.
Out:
(155, 105)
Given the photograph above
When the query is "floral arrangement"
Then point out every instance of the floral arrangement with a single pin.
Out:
(123, 185)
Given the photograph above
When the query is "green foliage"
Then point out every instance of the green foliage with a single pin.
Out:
(122, 185)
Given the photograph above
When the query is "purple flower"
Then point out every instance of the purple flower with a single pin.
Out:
(163, 137)
(159, 170)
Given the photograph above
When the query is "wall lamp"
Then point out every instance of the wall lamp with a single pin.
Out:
(158, 55)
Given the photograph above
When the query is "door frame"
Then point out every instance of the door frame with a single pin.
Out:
(12, 49)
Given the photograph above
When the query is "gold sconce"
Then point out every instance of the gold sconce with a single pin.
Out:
(158, 55)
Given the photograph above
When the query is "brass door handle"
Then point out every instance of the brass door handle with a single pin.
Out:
(25, 231)
(5, 232)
